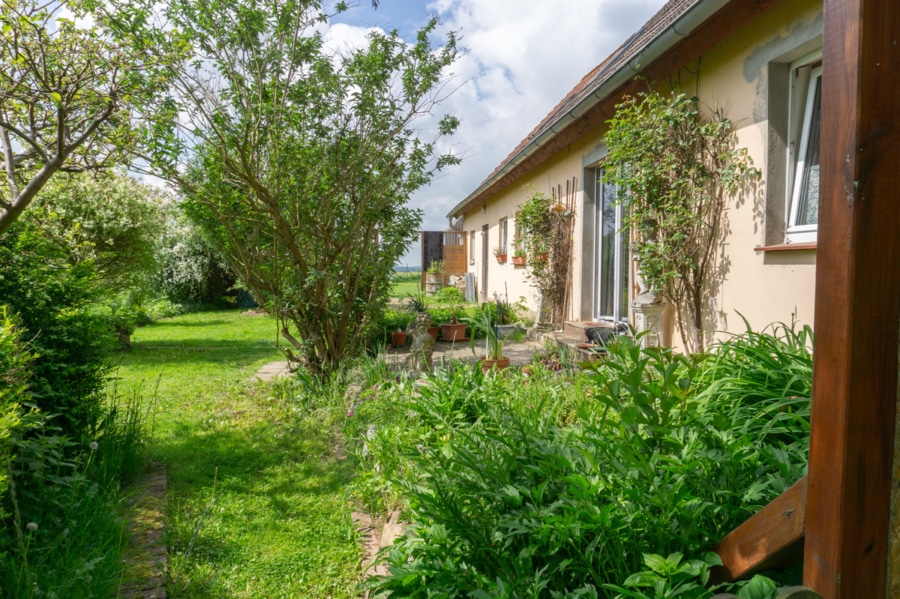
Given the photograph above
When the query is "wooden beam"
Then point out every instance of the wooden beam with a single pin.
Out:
(771, 538)
(857, 302)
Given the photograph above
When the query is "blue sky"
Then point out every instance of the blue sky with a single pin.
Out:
(522, 57)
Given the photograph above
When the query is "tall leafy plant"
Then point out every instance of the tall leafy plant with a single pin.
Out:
(679, 168)
(300, 160)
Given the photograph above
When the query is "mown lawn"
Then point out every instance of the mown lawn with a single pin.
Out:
(257, 502)
(406, 283)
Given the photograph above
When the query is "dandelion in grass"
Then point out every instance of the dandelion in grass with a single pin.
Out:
(93, 446)
(31, 526)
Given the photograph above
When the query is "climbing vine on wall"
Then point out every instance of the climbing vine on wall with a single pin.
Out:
(679, 167)
(546, 229)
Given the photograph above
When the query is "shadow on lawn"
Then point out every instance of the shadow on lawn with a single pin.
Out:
(238, 352)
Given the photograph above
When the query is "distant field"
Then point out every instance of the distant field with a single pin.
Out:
(406, 283)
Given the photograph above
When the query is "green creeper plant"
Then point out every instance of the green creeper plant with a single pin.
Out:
(547, 243)
(679, 168)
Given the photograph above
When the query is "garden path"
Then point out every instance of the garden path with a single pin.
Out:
(519, 354)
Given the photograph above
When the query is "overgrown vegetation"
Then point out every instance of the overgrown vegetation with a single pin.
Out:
(59, 495)
(547, 240)
(678, 167)
(300, 161)
(560, 483)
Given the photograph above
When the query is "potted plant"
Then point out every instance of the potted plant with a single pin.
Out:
(398, 338)
(500, 253)
(483, 323)
(416, 303)
(435, 272)
(519, 257)
(453, 330)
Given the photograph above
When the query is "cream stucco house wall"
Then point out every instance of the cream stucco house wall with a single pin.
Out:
(760, 62)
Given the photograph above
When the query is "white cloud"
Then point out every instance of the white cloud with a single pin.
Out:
(523, 57)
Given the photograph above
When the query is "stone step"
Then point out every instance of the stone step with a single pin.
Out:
(570, 344)
(572, 328)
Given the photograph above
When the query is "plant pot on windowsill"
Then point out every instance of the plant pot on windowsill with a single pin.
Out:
(453, 331)
(398, 338)
(545, 257)
(519, 260)
(501, 258)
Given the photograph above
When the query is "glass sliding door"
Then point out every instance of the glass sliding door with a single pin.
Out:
(611, 288)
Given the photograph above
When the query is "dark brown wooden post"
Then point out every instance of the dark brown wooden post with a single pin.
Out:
(857, 302)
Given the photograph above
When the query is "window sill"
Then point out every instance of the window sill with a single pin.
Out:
(786, 247)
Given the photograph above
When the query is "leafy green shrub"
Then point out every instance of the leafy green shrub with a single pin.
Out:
(449, 295)
(559, 484)
(674, 578)
(191, 273)
(14, 377)
(51, 298)
(60, 534)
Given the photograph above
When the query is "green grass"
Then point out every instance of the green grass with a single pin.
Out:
(257, 502)
(406, 283)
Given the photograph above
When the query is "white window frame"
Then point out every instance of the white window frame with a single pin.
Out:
(504, 235)
(620, 259)
(804, 73)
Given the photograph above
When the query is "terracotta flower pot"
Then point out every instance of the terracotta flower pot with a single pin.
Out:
(433, 331)
(398, 338)
(519, 260)
(501, 258)
(487, 365)
(453, 331)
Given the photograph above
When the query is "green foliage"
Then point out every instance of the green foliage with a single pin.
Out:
(560, 483)
(65, 537)
(52, 297)
(109, 220)
(546, 239)
(60, 534)
(303, 161)
(679, 168)
(15, 374)
(449, 295)
(483, 322)
(436, 267)
(674, 578)
(72, 111)
(191, 273)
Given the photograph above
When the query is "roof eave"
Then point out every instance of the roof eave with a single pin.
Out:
(680, 28)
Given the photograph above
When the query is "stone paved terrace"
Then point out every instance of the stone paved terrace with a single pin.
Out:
(519, 353)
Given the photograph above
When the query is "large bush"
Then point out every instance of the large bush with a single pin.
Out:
(60, 532)
(558, 484)
(51, 297)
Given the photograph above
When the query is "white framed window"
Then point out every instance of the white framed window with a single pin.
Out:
(471, 247)
(611, 255)
(518, 237)
(504, 235)
(803, 149)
